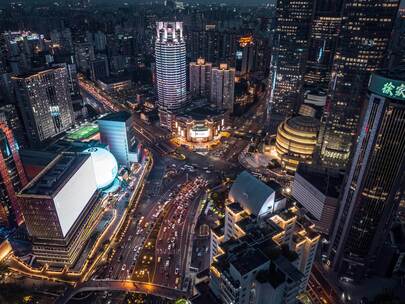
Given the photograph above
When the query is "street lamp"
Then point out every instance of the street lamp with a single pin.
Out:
(147, 271)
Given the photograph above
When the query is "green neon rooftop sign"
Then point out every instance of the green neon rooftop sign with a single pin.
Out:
(387, 87)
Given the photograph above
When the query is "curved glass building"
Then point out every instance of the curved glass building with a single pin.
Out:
(296, 141)
(170, 53)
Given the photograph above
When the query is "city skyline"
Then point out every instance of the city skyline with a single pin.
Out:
(202, 152)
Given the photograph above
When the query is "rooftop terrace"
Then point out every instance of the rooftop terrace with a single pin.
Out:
(55, 175)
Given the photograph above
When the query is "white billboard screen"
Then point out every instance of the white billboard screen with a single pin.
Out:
(74, 196)
(200, 133)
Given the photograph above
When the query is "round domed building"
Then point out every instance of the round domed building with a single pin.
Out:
(296, 141)
(105, 166)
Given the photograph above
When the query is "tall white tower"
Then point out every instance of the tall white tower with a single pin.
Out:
(170, 53)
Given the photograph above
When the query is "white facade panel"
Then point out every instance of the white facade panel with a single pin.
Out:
(75, 194)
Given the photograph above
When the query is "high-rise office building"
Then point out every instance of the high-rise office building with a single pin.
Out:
(99, 68)
(170, 53)
(10, 116)
(223, 87)
(100, 41)
(214, 45)
(45, 103)
(12, 178)
(317, 190)
(200, 78)
(71, 70)
(244, 57)
(117, 131)
(322, 45)
(289, 53)
(364, 36)
(376, 180)
(84, 54)
(397, 42)
(60, 207)
(3, 54)
(62, 40)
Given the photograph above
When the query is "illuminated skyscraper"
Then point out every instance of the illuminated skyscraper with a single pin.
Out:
(324, 33)
(45, 103)
(362, 44)
(245, 56)
(376, 180)
(10, 116)
(12, 178)
(212, 44)
(223, 87)
(170, 53)
(290, 44)
(200, 78)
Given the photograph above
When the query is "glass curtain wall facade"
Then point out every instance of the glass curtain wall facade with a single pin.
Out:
(364, 36)
(289, 53)
(376, 180)
(322, 46)
(12, 178)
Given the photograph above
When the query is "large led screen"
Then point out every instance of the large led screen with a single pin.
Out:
(75, 194)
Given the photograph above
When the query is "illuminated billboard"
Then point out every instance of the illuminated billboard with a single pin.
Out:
(200, 133)
(387, 87)
(75, 194)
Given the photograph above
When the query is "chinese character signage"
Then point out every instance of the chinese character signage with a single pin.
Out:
(387, 87)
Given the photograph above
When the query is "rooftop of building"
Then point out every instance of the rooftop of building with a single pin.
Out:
(47, 153)
(303, 124)
(258, 231)
(219, 230)
(287, 214)
(311, 233)
(246, 257)
(201, 112)
(248, 260)
(326, 181)
(272, 275)
(242, 257)
(305, 222)
(114, 79)
(246, 223)
(315, 90)
(250, 192)
(397, 235)
(397, 73)
(51, 179)
(304, 226)
(204, 295)
(288, 268)
(37, 72)
(235, 207)
(121, 116)
(297, 238)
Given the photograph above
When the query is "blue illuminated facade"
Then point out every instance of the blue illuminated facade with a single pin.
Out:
(116, 131)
